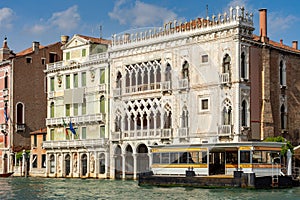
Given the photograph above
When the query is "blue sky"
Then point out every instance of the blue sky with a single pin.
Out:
(45, 21)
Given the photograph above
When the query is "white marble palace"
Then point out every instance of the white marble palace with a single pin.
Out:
(184, 83)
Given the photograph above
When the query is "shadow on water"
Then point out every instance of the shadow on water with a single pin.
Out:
(60, 188)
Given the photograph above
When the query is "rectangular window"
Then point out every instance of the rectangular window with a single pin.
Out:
(28, 59)
(102, 76)
(67, 109)
(52, 57)
(204, 104)
(83, 52)
(156, 158)
(52, 84)
(83, 133)
(52, 134)
(204, 58)
(245, 156)
(34, 161)
(75, 76)
(68, 81)
(68, 56)
(102, 105)
(43, 161)
(44, 137)
(102, 131)
(83, 79)
(43, 61)
(165, 158)
(75, 106)
(35, 140)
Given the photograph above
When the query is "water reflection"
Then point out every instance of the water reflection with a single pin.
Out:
(46, 188)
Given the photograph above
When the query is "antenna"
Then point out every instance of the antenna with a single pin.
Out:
(100, 31)
(206, 10)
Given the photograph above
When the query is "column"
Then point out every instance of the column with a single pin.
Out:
(123, 166)
(134, 166)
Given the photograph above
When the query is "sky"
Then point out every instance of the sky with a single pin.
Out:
(44, 21)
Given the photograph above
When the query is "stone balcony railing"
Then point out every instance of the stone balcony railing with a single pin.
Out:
(75, 143)
(76, 119)
(71, 63)
(225, 130)
(142, 134)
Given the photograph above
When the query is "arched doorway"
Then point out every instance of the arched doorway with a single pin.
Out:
(67, 165)
(52, 164)
(129, 162)
(118, 162)
(142, 158)
(5, 167)
(83, 165)
(102, 163)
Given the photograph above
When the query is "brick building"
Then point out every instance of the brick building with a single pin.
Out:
(23, 102)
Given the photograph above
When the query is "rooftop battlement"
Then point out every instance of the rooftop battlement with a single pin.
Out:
(173, 28)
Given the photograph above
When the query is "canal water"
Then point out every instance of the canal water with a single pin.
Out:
(49, 188)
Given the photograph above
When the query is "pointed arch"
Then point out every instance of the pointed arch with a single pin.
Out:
(244, 114)
(227, 112)
(283, 120)
(243, 66)
(185, 70)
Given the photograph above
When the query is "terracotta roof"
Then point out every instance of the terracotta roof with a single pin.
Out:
(40, 131)
(95, 40)
(30, 50)
(277, 44)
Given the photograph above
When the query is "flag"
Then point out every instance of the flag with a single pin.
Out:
(71, 128)
(5, 114)
(65, 126)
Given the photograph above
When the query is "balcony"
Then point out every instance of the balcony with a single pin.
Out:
(141, 134)
(20, 127)
(99, 88)
(166, 134)
(78, 119)
(225, 130)
(5, 92)
(166, 86)
(75, 143)
(117, 92)
(183, 132)
(183, 84)
(225, 78)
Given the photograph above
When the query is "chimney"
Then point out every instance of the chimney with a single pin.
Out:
(281, 41)
(35, 46)
(64, 39)
(295, 44)
(263, 25)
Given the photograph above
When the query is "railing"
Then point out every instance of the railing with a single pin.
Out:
(225, 130)
(142, 88)
(142, 134)
(98, 88)
(20, 127)
(70, 63)
(183, 132)
(117, 92)
(166, 86)
(166, 133)
(5, 92)
(225, 78)
(183, 84)
(75, 143)
(100, 117)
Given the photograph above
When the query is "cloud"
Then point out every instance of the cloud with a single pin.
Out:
(240, 3)
(6, 17)
(280, 24)
(140, 14)
(66, 20)
(63, 21)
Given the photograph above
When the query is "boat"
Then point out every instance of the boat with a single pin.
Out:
(5, 175)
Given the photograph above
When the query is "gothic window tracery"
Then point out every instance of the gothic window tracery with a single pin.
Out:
(227, 112)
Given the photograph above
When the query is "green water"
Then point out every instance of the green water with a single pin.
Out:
(45, 188)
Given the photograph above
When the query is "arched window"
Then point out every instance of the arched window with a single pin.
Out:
(102, 163)
(282, 74)
(118, 81)
(168, 76)
(244, 113)
(20, 113)
(84, 165)
(184, 118)
(226, 64)
(102, 104)
(243, 66)
(185, 70)
(167, 117)
(52, 164)
(52, 110)
(283, 117)
(67, 164)
(227, 112)
(6, 81)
